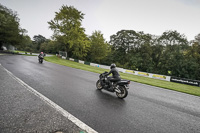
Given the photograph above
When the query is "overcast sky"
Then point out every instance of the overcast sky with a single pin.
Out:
(110, 16)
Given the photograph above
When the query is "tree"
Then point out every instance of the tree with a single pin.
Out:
(38, 40)
(132, 49)
(157, 51)
(26, 43)
(145, 51)
(99, 48)
(9, 27)
(193, 56)
(125, 39)
(49, 47)
(67, 29)
(122, 42)
(173, 38)
(173, 56)
(197, 38)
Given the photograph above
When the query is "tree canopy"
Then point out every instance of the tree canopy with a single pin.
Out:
(169, 53)
(38, 40)
(9, 27)
(68, 30)
(99, 48)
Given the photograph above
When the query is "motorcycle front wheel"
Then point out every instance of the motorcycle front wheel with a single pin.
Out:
(123, 93)
(40, 60)
(98, 85)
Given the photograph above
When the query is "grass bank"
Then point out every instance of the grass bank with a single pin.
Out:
(24, 53)
(193, 90)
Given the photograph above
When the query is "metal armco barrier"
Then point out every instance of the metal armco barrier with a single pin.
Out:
(144, 74)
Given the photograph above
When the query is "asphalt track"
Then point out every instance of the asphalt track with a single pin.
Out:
(146, 109)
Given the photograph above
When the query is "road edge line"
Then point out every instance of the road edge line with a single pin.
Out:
(66, 114)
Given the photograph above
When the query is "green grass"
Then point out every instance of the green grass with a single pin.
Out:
(193, 90)
(27, 53)
(19, 51)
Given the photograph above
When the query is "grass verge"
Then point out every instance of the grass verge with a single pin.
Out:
(193, 90)
(24, 53)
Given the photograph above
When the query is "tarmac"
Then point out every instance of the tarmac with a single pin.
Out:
(23, 110)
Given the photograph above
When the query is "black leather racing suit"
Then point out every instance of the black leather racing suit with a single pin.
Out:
(40, 55)
(115, 76)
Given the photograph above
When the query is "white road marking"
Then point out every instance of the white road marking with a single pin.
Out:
(54, 105)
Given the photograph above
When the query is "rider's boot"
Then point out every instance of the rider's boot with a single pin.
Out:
(111, 87)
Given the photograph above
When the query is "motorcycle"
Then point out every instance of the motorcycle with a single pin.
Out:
(40, 59)
(120, 87)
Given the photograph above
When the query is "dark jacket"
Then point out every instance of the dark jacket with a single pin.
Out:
(41, 55)
(114, 72)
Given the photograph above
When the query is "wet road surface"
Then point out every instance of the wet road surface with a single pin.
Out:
(146, 108)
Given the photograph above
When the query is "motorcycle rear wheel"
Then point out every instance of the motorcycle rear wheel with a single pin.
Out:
(123, 93)
(98, 85)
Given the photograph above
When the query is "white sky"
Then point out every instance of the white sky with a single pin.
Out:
(110, 16)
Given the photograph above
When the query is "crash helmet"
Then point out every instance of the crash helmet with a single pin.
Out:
(112, 65)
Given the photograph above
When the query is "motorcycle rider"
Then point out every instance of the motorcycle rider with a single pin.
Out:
(41, 55)
(115, 76)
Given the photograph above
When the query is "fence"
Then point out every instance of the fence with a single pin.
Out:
(144, 74)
